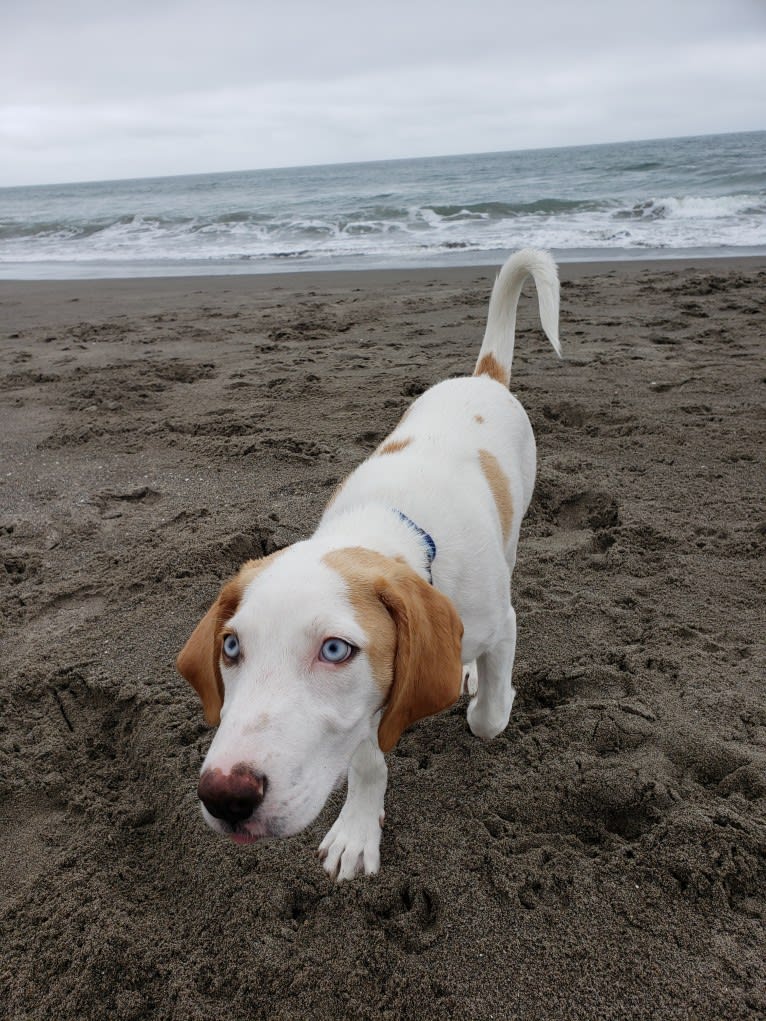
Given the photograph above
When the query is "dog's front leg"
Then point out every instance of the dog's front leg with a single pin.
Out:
(353, 843)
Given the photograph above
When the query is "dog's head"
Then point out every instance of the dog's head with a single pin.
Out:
(302, 656)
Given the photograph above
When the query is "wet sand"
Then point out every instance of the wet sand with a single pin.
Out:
(605, 858)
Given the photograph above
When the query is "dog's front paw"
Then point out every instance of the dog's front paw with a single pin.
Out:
(352, 845)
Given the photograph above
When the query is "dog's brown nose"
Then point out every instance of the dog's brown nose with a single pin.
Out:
(234, 796)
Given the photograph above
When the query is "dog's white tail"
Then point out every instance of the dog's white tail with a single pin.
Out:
(496, 352)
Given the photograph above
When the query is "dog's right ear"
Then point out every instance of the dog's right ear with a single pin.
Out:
(199, 660)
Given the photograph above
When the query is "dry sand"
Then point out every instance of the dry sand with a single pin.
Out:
(604, 858)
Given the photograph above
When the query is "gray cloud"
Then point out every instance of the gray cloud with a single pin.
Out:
(91, 90)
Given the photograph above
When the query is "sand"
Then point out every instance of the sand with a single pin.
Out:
(605, 858)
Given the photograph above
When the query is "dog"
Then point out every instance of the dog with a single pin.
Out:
(312, 661)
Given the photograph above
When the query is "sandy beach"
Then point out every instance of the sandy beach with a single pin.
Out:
(605, 858)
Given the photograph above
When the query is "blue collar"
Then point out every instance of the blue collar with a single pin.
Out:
(426, 539)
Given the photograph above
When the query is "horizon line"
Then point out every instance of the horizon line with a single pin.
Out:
(393, 159)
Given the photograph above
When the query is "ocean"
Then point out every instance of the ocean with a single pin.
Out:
(665, 198)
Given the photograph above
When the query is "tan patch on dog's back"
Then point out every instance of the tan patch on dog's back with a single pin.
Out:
(501, 489)
(360, 569)
(488, 365)
(394, 446)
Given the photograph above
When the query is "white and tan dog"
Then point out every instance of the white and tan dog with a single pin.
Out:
(314, 660)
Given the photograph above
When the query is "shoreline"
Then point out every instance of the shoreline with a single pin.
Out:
(575, 266)
(58, 301)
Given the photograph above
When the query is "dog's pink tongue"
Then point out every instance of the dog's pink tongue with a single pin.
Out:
(243, 838)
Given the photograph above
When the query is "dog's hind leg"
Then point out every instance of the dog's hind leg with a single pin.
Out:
(490, 710)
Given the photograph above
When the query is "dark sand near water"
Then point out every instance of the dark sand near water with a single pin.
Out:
(605, 858)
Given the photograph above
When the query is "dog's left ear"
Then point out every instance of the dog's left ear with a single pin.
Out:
(199, 660)
(428, 670)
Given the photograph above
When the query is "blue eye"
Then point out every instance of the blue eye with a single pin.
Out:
(231, 647)
(335, 650)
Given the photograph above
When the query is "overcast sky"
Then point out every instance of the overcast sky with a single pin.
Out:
(93, 89)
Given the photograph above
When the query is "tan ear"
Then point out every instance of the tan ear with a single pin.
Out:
(428, 669)
(199, 660)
